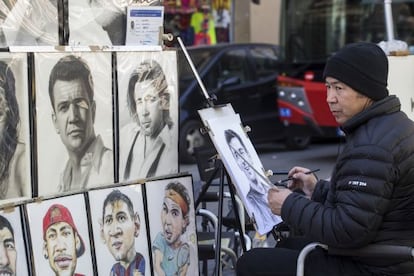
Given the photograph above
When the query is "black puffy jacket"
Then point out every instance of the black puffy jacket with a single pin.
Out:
(370, 197)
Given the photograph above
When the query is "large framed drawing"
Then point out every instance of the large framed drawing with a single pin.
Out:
(59, 235)
(172, 226)
(29, 23)
(120, 230)
(74, 121)
(15, 145)
(148, 114)
(100, 22)
(242, 164)
(13, 254)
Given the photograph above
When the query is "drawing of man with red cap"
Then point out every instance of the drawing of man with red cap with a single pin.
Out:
(62, 243)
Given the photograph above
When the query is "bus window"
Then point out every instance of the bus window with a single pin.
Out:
(314, 29)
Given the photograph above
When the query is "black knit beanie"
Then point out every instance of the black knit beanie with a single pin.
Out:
(363, 66)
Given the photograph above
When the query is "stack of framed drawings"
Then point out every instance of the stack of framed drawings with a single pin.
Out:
(121, 231)
(86, 118)
(71, 121)
(84, 126)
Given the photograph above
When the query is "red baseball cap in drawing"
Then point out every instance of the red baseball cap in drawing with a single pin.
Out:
(59, 213)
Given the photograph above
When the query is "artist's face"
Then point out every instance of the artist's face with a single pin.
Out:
(8, 254)
(344, 102)
(60, 248)
(106, 11)
(73, 115)
(119, 230)
(173, 222)
(149, 108)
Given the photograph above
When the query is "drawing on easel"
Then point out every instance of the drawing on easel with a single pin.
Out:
(242, 164)
(238, 156)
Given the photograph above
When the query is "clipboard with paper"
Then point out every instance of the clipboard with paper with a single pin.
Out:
(242, 163)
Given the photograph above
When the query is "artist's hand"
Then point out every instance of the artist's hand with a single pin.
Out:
(301, 180)
(276, 197)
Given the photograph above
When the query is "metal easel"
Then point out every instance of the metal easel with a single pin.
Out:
(219, 168)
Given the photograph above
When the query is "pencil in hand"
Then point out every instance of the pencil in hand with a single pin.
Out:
(282, 182)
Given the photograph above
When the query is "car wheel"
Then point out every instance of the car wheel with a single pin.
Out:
(297, 142)
(190, 138)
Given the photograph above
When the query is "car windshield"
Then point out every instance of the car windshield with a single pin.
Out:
(199, 56)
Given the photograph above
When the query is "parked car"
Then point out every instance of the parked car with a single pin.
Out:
(244, 75)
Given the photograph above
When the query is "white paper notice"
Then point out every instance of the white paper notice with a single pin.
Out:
(144, 24)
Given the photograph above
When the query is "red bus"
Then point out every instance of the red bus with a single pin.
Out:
(311, 30)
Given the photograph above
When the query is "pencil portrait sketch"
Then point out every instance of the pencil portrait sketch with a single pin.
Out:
(100, 22)
(148, 114)
(74, 118)
(245, 169)
(29, 23)
(15, 176)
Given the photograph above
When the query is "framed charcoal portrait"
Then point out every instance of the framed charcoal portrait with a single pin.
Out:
(148, 114)
(74, 121)
(15, 145)
(12, 240)
(59, 235)
(172, 226)
(244, 167)
(29, 23)
(120, 230)
(100, 22)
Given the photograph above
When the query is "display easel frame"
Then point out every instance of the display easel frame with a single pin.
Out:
(225, 109)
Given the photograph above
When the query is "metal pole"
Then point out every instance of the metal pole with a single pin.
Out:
(388, 19)
(190, 62)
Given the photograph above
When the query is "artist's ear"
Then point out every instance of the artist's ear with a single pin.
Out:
(55, 123)
(137, 223)
(101, 230)
(45, 254)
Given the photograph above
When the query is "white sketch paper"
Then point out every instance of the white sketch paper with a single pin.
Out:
(244, 167)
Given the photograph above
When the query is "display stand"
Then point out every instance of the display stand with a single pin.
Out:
(223, 174)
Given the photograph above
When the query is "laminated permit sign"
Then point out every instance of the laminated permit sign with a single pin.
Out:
(144, 25)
